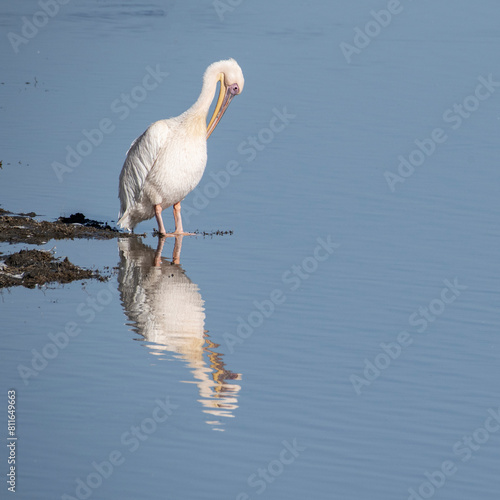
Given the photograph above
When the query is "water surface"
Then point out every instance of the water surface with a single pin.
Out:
(266, 363)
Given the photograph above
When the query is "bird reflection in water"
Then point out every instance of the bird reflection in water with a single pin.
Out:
(166, 308)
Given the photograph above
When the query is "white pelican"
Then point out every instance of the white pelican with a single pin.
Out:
(167, 161)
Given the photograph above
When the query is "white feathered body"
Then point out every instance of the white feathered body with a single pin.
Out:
(163, 165)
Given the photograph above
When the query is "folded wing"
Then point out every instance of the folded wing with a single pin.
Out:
(140, 160)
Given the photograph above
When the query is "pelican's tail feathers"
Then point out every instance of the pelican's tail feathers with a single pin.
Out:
(124, 221)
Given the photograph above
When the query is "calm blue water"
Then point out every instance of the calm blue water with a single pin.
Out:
(343, 341)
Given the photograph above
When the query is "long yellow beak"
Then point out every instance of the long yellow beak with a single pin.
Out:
(223, 101)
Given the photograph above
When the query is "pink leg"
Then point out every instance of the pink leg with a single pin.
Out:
(177, 218)
(159, 220)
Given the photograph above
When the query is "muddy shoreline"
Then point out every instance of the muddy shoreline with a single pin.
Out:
(25, 228)
(31, 268)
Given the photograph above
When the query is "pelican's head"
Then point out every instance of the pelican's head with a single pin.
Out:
(231, 79)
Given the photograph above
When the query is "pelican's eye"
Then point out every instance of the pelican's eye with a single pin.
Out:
(234, 89)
